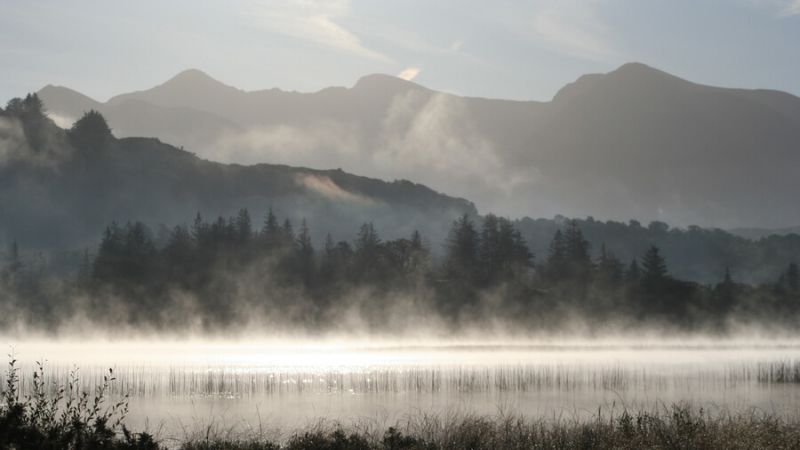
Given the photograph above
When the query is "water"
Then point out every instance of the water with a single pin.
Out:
(181, 388)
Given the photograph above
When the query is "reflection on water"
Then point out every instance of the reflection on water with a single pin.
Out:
(180, 387)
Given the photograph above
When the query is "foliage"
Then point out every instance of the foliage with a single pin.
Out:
(487, 272)
(62, 418)
(675, 427)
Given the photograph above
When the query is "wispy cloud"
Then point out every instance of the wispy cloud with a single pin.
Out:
(793, 8)
(312, 20)
(777, 8)
(323, 185)
(409, 73)
(573, 28)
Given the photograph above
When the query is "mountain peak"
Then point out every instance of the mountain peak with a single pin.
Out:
(629, 77)
(191, 88)
(381, 81)
(637, 70)
(192, 75)
(194, 78)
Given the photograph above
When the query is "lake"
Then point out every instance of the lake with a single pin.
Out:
(180, 388)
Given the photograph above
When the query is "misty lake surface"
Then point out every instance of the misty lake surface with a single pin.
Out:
(181, 388)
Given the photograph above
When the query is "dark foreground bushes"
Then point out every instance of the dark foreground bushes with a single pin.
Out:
(56, 417)
(680, 428)
(61, 417)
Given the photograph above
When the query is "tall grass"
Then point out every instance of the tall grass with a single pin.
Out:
(64, 417)
(674, 427)
(143, 381)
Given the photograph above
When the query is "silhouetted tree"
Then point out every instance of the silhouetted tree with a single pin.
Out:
(244, 227)
(305, 255)
(368, 265)
(610, 270)
(271, 233)
(462, 251)
(654, 266)
(556, 269)
(633, 274)
(90, 132)
(579, 262)
(724, 296)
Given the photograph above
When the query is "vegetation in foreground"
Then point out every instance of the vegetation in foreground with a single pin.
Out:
(61, 417)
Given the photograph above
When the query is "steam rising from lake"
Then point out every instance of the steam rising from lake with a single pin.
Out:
(181, 386)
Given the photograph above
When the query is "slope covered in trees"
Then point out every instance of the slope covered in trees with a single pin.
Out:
(58, 188)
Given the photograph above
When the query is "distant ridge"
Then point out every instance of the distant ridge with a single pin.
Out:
(634, 142)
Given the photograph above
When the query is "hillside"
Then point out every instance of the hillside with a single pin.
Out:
(59, 189)
(635, 142)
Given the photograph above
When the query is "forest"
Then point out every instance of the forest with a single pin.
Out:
(520, 275)
(219, 274)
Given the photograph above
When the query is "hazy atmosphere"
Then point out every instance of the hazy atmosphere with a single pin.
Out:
(351, 225)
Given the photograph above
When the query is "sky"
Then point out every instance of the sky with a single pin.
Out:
(514, 49)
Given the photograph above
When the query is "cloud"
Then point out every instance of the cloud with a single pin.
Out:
(325, 186)
(571, 27)
(15, 148)
(409, 73)
(793, 8)
(62, 121)
(432, 139)
(456, 45)
(321, 144)
(314, 21)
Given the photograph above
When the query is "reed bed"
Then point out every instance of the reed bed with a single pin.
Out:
(71, 417)
(146, 381)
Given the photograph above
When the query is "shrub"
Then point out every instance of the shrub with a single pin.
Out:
(64, 418)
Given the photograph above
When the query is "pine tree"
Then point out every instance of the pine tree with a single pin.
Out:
(368, 264)
(489, 249)
(462, 258)
(633, 273)
(654, 266)
(305, 254)
(727, 279)
(199, 229)
(179, 253)
(724, 294)
(287, 233)
(271, 233)
(420, 258)
(556, 269)
(579, 261)
(609, 268)
(109, 255)
(244, 227)
(577, 247)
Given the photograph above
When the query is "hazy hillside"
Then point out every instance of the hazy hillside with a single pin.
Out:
(759, 233)
(59, 190)
(635, 142)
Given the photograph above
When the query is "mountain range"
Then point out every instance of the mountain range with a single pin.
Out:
(633, 143)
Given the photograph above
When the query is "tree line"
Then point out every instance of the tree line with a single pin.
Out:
(217, 272)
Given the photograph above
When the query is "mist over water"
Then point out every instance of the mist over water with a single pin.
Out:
(180, 387)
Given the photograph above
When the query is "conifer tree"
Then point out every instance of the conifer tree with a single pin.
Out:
(462, 258)
(654, 266)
